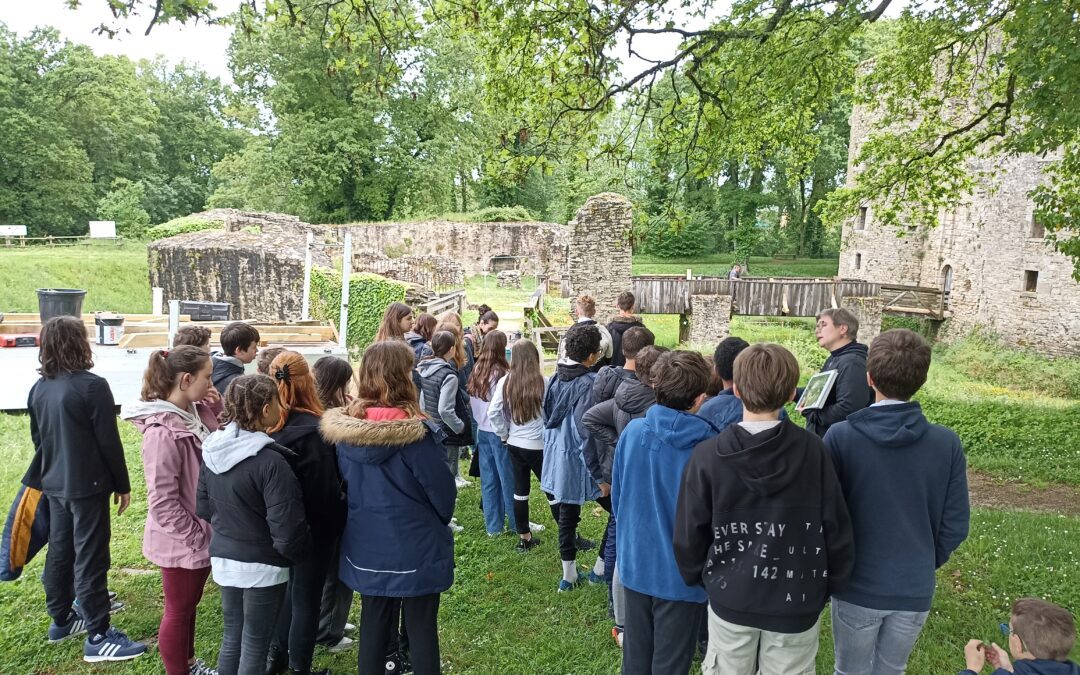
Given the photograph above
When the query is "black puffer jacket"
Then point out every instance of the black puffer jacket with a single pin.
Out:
(226, 369)
(849, 394)
(250, 496)
(315, 463)
(606, 422)
(608, 381)
(617, 327)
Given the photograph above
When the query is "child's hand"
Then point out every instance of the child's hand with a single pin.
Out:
(212, 396)
(605, 489)
(998, 657)
(973, 653)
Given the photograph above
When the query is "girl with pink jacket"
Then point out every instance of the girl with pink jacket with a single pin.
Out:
(175, 413)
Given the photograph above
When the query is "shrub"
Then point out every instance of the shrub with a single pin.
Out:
(123, 205)
(183, 226)
(924, 327)
(369, 294)
(492, 214)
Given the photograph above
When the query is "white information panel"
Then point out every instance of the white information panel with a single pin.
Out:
(102, 229)
(12, 230)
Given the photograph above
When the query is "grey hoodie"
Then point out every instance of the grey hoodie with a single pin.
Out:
(230, 445)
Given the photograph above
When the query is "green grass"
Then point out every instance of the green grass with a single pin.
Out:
(502, 614)
(115, 277)
(718, 265)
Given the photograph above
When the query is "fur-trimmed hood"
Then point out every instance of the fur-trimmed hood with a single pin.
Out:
(377, 440)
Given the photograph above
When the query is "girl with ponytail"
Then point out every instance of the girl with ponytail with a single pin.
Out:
(315, 465)
(174, 421)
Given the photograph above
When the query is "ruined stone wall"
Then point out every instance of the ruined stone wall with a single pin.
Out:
(542, 246)
(430, 271)
(987, 242)
(261, 275)
(600, 254)
(710, 319)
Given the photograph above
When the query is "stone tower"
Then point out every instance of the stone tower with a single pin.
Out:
(988, 255)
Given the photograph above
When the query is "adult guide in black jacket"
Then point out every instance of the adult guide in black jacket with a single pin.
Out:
(251, 498)
(761, 522)
(77, 447)
(850, 392)
(314, 461)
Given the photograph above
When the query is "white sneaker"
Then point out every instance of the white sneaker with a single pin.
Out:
(536, 527)
(454, 527)
(342, 644)
(461, 482)
(350, 627)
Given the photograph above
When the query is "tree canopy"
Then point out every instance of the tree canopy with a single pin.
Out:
(735, 128)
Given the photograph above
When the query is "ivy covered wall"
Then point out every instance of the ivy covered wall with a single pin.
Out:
(369, 294)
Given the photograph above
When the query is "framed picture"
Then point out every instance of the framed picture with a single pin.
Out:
(817, 391)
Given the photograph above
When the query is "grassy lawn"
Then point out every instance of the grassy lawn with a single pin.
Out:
(115, 278)
(502, 614)
(718, 265)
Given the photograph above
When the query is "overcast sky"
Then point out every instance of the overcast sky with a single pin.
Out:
(201, 44)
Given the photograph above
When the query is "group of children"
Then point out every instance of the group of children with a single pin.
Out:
(730, 527)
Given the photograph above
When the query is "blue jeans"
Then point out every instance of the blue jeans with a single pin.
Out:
(496, 482)
(873, 641)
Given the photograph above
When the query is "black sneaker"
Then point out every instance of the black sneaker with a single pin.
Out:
(397, 664)
(75, 625)
(277, 661)
(584, 544)
(525, 545)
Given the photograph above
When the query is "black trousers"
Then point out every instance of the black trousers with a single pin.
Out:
(524, 462)
(77, 560)
(298, 621)
(336, 602)
(569, 515)
(661, 635)
(378, 623)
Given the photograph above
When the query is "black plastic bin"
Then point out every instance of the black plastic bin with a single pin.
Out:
(60, 302)
(205, 311)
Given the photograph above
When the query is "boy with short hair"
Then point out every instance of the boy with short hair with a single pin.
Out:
(904, 529)
(610, 378)
(240, 344)
(194, 336)
(623, 322)
(1041, 635)
(725, 408)
(662, 612)
(761, 523)
(564, 477)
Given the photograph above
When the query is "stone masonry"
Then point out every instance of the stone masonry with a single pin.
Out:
(988, 253)
(710, 317)
(868, 312)
(600, 255)
(261, 275)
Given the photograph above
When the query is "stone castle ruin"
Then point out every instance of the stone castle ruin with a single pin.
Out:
(988, 255)
(256, 262)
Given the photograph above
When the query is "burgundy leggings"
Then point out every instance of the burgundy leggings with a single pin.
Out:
(176, 637)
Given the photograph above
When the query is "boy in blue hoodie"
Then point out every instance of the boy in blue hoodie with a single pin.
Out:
(905, 485)
(565, 479)
(663, 613)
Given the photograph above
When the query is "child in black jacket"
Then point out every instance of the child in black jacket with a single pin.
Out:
(248, 493)
(761, 523)
(78, 462)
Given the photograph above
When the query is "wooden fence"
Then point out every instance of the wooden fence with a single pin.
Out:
(657, 294)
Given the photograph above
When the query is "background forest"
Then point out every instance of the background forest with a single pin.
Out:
(311, 128)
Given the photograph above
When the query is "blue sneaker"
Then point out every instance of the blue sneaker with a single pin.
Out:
(565, 585)
(76, 625)
(595, 578)
(113, 646)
